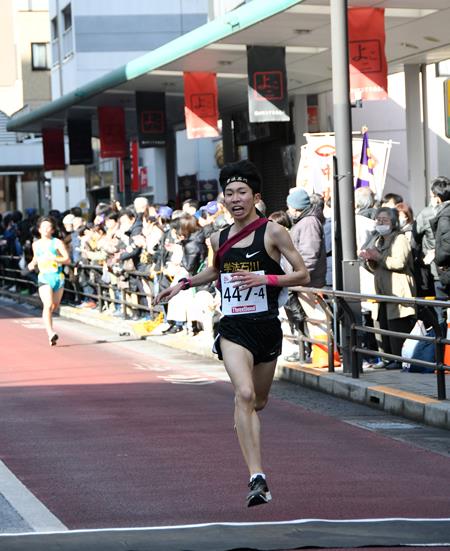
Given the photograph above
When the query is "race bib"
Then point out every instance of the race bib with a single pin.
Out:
(236, 302)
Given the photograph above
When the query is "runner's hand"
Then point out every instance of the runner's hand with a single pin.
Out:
(167, 294)
(245, 280)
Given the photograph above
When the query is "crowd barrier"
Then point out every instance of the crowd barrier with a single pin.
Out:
(338, 308)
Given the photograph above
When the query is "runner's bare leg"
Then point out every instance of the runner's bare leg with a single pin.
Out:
(239, 365)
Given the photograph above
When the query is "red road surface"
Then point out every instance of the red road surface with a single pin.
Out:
(103, 443)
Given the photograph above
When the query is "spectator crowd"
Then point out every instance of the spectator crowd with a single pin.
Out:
(122, 257)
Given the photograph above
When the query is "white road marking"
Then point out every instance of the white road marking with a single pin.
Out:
(27, 505)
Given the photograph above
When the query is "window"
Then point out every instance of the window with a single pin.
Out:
(40, 56)
(54, 28)
(67, 17)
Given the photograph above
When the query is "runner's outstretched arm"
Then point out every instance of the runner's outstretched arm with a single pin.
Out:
(205, 276)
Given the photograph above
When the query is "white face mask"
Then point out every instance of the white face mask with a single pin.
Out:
(383, 229)
(403, 222)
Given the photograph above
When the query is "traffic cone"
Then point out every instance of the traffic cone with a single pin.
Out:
(447, 346)
(319, 353)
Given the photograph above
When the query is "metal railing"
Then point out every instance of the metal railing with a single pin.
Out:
(11, 276)
(343, 300)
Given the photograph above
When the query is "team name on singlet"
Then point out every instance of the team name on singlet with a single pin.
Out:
(241, 266)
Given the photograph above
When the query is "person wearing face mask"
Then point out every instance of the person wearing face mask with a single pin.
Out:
(387, 254)
(406, 220)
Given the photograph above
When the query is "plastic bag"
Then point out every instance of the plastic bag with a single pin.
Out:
(22, 262)
(423, 351)
(409, 345)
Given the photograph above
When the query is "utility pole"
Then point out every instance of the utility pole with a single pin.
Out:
(61, 93)
(343, 137)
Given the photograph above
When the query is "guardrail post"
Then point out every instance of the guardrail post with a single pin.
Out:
(439, 348)
(351, 337)
(100, 297)
(123, 296)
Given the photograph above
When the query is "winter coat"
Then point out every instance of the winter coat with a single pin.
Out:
(393, 272)
(308, 237)
(441, 228)
(194, 252)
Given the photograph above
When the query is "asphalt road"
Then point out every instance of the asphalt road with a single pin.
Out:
(103, 431)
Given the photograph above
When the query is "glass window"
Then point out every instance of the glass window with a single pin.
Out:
(40, 56)
(67, 17)
(54, 28)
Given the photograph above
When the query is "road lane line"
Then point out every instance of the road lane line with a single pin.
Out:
(26, 504)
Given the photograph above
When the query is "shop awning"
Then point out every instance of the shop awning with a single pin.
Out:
(415, 34)
(158, 70)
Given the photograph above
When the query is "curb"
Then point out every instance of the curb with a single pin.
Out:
(394, 401)
(180, 341)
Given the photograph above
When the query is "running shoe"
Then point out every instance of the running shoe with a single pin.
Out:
(259, 492)
(54, 338)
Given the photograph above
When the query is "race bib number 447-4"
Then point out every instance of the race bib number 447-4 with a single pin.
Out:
(236, 302)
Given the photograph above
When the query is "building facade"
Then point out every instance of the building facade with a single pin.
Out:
(94, 38)
(24, 86)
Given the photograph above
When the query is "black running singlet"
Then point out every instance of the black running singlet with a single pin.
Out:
(248, 303)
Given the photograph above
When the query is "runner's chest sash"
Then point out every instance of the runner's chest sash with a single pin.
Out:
(257, 302)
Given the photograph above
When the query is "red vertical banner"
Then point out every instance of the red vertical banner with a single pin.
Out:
(143, 175)
(111, 122)
(201, 105)
(368, 65)
(134, 153)
(121, 176)
(53, 146)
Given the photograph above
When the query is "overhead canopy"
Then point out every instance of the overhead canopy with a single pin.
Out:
(416, 33)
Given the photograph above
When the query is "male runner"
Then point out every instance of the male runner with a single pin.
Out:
(247, 256)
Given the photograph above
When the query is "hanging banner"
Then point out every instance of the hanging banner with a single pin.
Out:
(80, 144)
(134, 154)
(368, 66)
(315, 170)
(111, 123)
(53, 145)
(267, 84)
(121, 176)
(201, 105)
(151, 119)
(143, 177)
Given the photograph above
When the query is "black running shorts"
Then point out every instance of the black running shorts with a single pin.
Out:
(262, 337)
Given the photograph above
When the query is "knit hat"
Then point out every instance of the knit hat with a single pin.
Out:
(165, 212)
(298, 199)
(212, 207)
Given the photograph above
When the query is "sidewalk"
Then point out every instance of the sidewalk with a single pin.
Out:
(410, 395)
